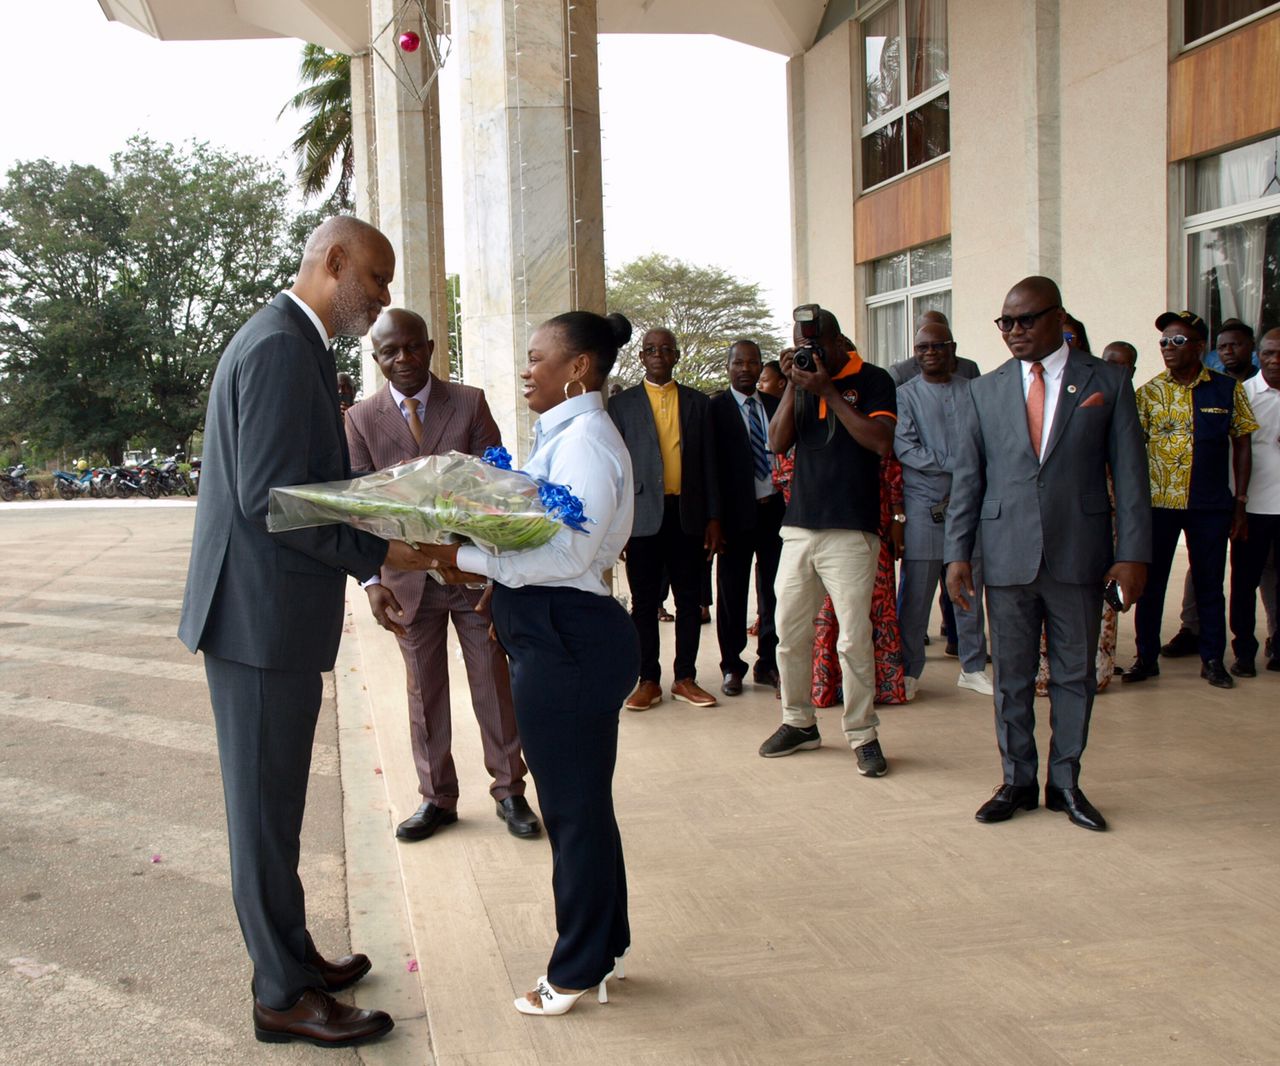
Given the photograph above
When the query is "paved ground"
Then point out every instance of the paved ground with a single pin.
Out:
(784, 911)
(118, 942)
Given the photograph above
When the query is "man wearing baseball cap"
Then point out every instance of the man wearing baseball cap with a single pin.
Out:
(1197, 424)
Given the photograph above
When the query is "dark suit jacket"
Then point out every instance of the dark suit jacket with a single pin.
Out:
(457, 419)
(699, 493)
(734, 462)
(909, 368)
(1057, 507)
(271, 600)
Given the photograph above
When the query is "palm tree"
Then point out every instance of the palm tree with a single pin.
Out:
(324, 141)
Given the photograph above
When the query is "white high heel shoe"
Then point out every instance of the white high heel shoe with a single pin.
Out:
(554, 1002)
(620, 965)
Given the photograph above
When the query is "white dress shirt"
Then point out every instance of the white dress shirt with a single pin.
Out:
(576, 445)
(1054, 365)
(764, 485)
(1264, 482)
(315, 318)
(421, 396)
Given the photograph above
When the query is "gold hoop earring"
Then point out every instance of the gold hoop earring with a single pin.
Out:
(574, 381)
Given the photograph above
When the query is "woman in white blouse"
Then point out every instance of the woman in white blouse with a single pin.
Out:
(572, 648)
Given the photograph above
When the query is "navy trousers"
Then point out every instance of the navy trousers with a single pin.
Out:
(574, 658)
(1248, 561)
(1206, 533)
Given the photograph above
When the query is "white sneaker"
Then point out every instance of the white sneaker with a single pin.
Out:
(910, 686)
(976, 681)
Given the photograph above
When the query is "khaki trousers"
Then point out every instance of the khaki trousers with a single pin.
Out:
(840, 563)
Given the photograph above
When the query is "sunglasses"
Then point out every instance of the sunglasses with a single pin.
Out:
(1005, 323)
(1176, 341)
(936, 346)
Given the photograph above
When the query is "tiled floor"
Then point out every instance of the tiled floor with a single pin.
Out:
(790, 911)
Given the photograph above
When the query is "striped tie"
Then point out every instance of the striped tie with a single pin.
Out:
(759, 446)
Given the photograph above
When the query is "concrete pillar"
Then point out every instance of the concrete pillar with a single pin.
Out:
(406, 166)
(533, 208)
(364, 148)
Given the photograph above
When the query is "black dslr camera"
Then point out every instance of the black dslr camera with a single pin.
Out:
(808, 356)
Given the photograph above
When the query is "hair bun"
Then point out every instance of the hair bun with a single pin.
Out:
(620, 327)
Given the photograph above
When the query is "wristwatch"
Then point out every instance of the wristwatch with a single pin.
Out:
(900, 518)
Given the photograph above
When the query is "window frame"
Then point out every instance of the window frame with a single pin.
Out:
(1187, 46)
(907, 296)
(903, 109)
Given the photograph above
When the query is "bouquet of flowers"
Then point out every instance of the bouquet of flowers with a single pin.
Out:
(437, 499)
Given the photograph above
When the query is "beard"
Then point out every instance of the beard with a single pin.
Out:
(349, 310)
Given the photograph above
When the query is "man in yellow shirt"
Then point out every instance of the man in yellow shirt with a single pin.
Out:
(677, 515)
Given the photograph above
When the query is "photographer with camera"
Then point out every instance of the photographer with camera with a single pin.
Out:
(839, 414)
(931, 409)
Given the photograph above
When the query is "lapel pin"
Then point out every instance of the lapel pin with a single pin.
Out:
(1071, 388)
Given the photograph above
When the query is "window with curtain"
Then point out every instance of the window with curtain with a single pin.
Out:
(1203, 17)
(1232, 236)
(906, 120)
(903, 287)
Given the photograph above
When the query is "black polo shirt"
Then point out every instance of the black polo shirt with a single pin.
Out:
(836, 484)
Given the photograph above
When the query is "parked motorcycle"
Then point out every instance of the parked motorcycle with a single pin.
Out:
(71, 487)
(14, 483)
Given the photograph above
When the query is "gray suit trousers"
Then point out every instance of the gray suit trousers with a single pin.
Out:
(916, 594)
(1072, 616)
(266, 722)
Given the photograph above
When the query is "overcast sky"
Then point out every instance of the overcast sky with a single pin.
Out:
(695, 139)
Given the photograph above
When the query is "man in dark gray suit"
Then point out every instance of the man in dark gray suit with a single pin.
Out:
(267, 610)
(1031, 474)
(677, 516)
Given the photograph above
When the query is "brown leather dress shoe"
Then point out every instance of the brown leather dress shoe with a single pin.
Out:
(317, 1018)
(647, 693)
(687, 691)
(337, 974)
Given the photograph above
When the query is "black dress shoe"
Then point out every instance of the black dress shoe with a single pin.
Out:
(1184, 643)
(1216, 674)
(425, 821)
(1079, 810)
(1244, 668)
(1140, 671)
(1273, 664)
(519, 816)
(340, 973)
(317, 1018)
(732, 685)
(767, 677)
(1006, 799)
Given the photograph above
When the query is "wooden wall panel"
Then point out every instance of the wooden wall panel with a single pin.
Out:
(1225, 92)
(915, 210)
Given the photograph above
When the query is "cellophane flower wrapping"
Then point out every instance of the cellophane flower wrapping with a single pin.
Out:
(435, 499)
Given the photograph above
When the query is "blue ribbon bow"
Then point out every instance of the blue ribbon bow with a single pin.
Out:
(562, 504)
(497, 456)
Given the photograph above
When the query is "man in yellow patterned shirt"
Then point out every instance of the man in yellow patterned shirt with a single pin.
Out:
(1197, 425)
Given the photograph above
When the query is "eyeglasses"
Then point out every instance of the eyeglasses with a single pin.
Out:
(1005, 323)
(935, 346)
(1176, 341)
(653, 349)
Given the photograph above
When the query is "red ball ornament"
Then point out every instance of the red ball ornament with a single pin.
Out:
(409, 41)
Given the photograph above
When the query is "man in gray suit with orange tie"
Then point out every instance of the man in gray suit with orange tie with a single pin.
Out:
(1030, 478)
(415, 414)
(266, 610)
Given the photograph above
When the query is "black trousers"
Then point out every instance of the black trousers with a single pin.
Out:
(682, 556)
(574, 658)
(1248, 560)
(1207, 533)
(266, 722)
(763, 546)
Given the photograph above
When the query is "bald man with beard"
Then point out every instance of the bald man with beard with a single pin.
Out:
(1030, 477)
(266, 610)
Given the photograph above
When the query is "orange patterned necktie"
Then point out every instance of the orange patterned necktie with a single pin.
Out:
(1035, 406)
(415, 423)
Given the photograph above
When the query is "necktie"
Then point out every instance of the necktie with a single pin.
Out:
(759, 445)
(415, 423)
(1035, 406)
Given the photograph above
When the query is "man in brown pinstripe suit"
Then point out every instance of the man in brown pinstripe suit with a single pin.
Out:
(415, 414)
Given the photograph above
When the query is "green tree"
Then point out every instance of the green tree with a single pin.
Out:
(119, 291)
(706, 307)
(453, 296)
(324, 143)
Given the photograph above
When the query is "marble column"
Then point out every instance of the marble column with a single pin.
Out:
(533, 208)
(406, 168)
